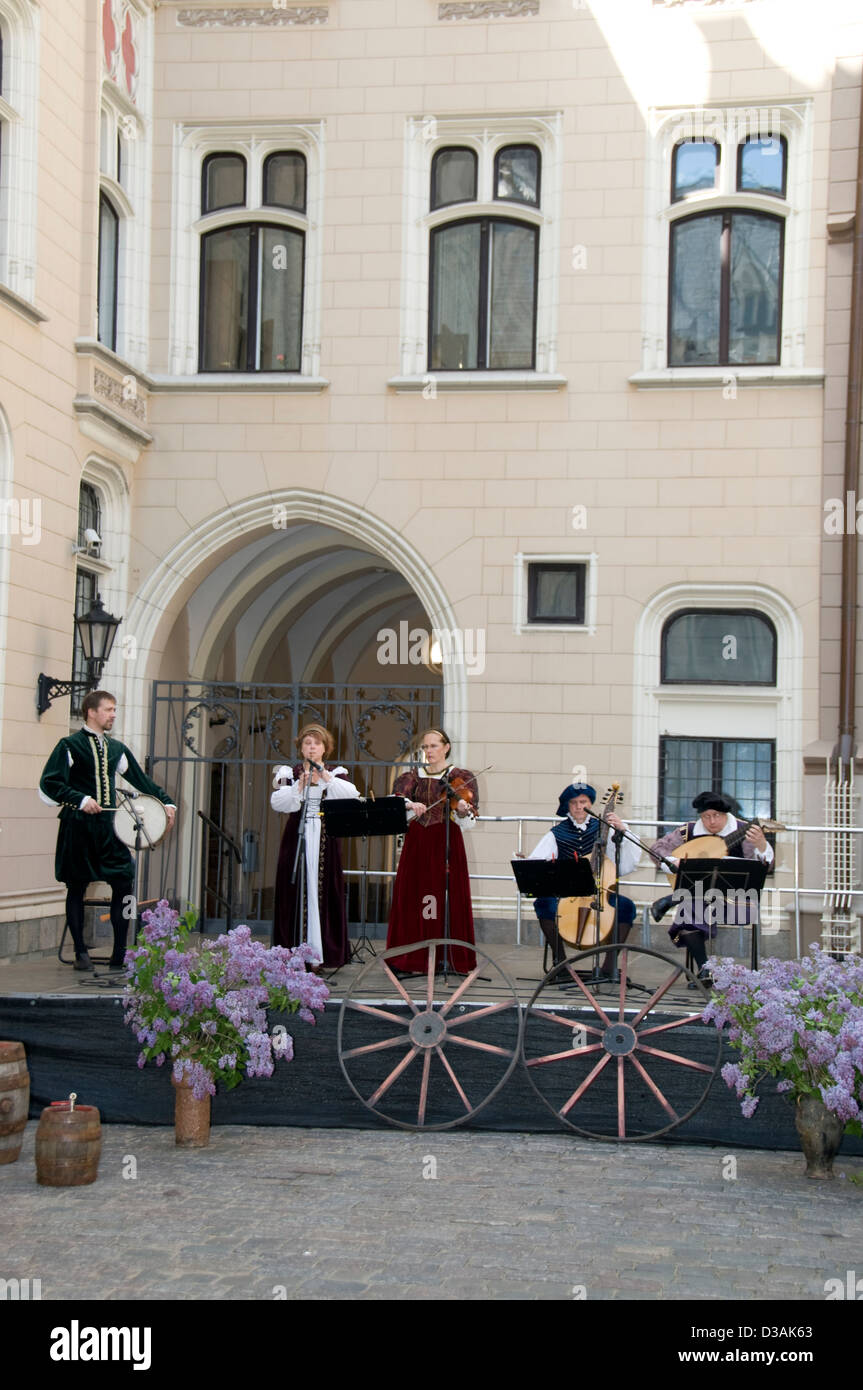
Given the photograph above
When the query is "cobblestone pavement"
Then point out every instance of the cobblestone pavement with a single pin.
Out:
(265, 1213)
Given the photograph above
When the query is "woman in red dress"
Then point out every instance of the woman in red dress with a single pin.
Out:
(417, 910)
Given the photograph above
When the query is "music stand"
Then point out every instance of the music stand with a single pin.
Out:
(348, 819)
(698, 877)
(554, 878)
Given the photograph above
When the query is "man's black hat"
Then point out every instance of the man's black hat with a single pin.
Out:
(713, 801)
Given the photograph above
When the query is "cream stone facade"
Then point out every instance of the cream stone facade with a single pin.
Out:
(264, 525)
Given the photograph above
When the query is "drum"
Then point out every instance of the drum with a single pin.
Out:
(153, 821)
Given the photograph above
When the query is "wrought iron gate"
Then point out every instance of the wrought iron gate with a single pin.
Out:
(214, 747)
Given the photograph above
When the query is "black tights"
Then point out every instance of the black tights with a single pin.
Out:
(696, 942)
(120, 893)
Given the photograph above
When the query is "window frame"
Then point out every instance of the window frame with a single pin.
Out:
(717, 775)
(19, 153)
(255, 140)
(205, 211)
(518, 202)
(254, 304)
(424, 135)
(484, 300)
(673, 197)
(106, 202)
(727, 214)
(456, 202)
(716, 612)
(534, 569)
(283, 207)
(521, 568)
(729, 125)
(763, 192)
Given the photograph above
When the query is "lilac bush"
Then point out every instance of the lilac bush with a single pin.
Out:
(204, 1009)
(801, 1021)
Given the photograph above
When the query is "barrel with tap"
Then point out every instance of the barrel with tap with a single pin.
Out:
(68, 1145)
(14, 1099)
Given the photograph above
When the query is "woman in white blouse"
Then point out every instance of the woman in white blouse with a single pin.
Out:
(299, 793)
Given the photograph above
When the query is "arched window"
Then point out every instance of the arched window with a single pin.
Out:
(718, 647)
(252, 274)
(762, 165)
(251, 299)
(483, 295)
(86, 580)
(694, 165)
(725, 304)
(285, 181)
(453, 177)
(109, 244)
(19, 126)
(516, 174)
(223, 182)
(89, 513)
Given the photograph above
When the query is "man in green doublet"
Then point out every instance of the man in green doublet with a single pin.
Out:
(79, 777)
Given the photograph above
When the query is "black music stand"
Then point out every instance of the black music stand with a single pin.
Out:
(348, 819)
(554, 878)
(698, 877)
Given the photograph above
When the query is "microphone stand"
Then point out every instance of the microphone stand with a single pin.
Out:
(618, 838)
(445, 780)
(300, 863)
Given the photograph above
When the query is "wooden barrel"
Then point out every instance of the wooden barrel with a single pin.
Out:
(14, 1099)
(68, 1145)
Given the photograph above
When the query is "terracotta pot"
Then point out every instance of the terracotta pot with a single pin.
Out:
(820, 1135)
(14, 1099)
(191, 1117)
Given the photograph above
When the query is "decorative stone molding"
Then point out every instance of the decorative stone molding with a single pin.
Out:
(702, 4)
(263, 16)
(122, 394)
(487, 9)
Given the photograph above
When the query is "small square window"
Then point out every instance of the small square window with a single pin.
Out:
(556, 593)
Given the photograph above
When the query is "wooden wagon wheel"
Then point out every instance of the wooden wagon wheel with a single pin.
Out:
(604, 1057)
(421, 1062)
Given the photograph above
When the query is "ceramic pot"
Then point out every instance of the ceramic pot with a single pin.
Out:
(820, 1135)
(191, 1117)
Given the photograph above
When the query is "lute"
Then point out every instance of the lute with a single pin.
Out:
(717, 846)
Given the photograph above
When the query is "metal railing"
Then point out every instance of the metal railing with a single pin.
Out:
(794, 889)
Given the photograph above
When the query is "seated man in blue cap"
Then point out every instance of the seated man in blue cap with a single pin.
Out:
(576, 835)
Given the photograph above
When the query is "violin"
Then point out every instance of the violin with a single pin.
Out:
(458, 788)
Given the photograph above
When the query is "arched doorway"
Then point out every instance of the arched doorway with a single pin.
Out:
(288, 620)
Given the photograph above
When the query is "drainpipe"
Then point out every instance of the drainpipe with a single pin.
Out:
(845, 744)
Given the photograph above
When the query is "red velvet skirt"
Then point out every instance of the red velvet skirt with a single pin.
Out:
(417, 911)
